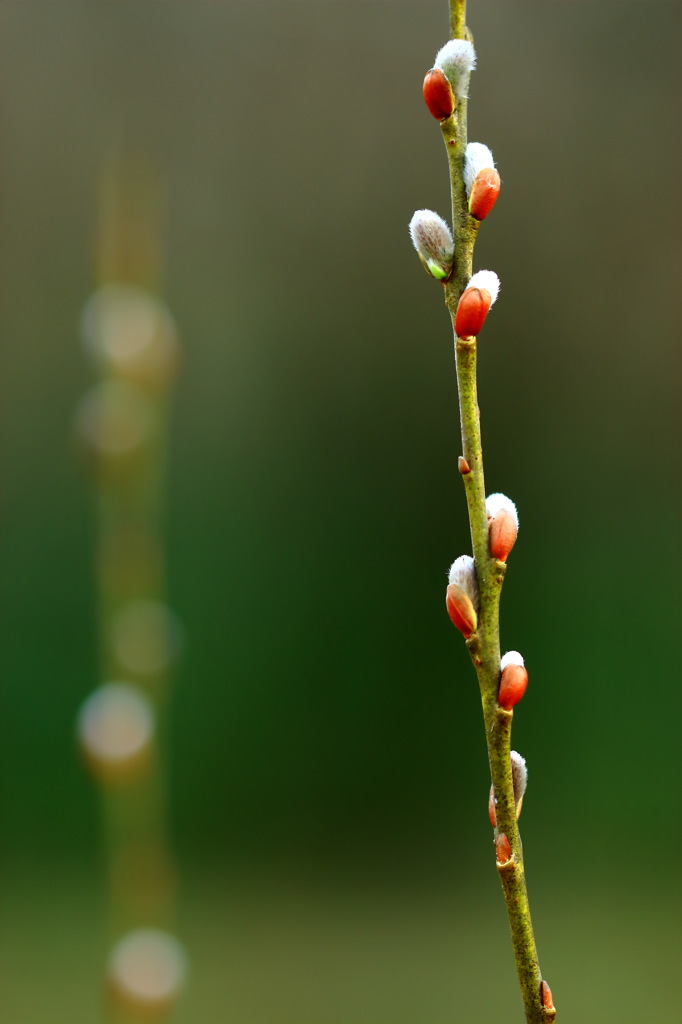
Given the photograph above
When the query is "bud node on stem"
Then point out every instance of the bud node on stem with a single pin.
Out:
(484, 193)
(461, 610)
(438, 94)
(503, 525)
(502, 849)
(475, 301)
(546, 996)
(432, 239)
(513, 680)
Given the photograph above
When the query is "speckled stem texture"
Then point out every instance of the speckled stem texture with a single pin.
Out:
(484, 646)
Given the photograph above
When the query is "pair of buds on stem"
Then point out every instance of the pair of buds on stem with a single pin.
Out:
(513, 673)
(462, 593)
(481, 177)
(432, 239)
(503, 850)
(444, 84)
(519, 773)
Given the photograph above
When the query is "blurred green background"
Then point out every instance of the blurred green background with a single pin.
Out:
(328, 766)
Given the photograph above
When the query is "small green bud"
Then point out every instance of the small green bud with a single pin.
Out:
(436, 271)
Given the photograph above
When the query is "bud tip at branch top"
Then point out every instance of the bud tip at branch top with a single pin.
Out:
(432, 239)
(479, 295)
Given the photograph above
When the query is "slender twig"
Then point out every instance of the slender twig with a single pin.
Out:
(129, 488)
(458, 17)
(484, 645)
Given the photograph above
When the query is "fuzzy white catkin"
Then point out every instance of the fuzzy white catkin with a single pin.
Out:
(432, 239)
(463, 573)
(496, 503)
(477, 158)
(511, 658)
(430, 235)
(488, 280)
(130, 332)
(457, 59)
(519, 774)
(115, 723)
(148, 968)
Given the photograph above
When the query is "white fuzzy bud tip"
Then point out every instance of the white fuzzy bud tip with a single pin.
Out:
(115, 725)
(519, 775)
(488, 280)
(511, 658)
(463, 573)
(147, 970)
(432, 239)
(457, 59)
(496, 503)
(477, 158)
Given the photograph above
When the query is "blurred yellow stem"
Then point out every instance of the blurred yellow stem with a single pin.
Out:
(458, 17)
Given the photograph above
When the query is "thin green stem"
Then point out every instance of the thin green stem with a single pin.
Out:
(484, 645)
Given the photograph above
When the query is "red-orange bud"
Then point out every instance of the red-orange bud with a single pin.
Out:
(513, 683)
(461, 610)
(502, 849)
(484, 193)
(503, 525)
(491, 808)
(503, 530)
(519, 781)
(463, 466)
(438, 94)
(471, 312)
(546, 996)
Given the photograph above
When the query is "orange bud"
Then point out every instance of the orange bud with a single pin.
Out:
(461, 610)
(503, 529)
(546, 996)
(502, 849)
(513, 683)
(519, 781)
(463, 466)
(503, 525)
(491, 808)
(471, 312)
(438, 94)
(484, 193)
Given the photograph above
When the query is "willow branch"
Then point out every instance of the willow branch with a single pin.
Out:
(484, 645)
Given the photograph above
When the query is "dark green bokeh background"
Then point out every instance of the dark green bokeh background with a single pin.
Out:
(328, 761)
